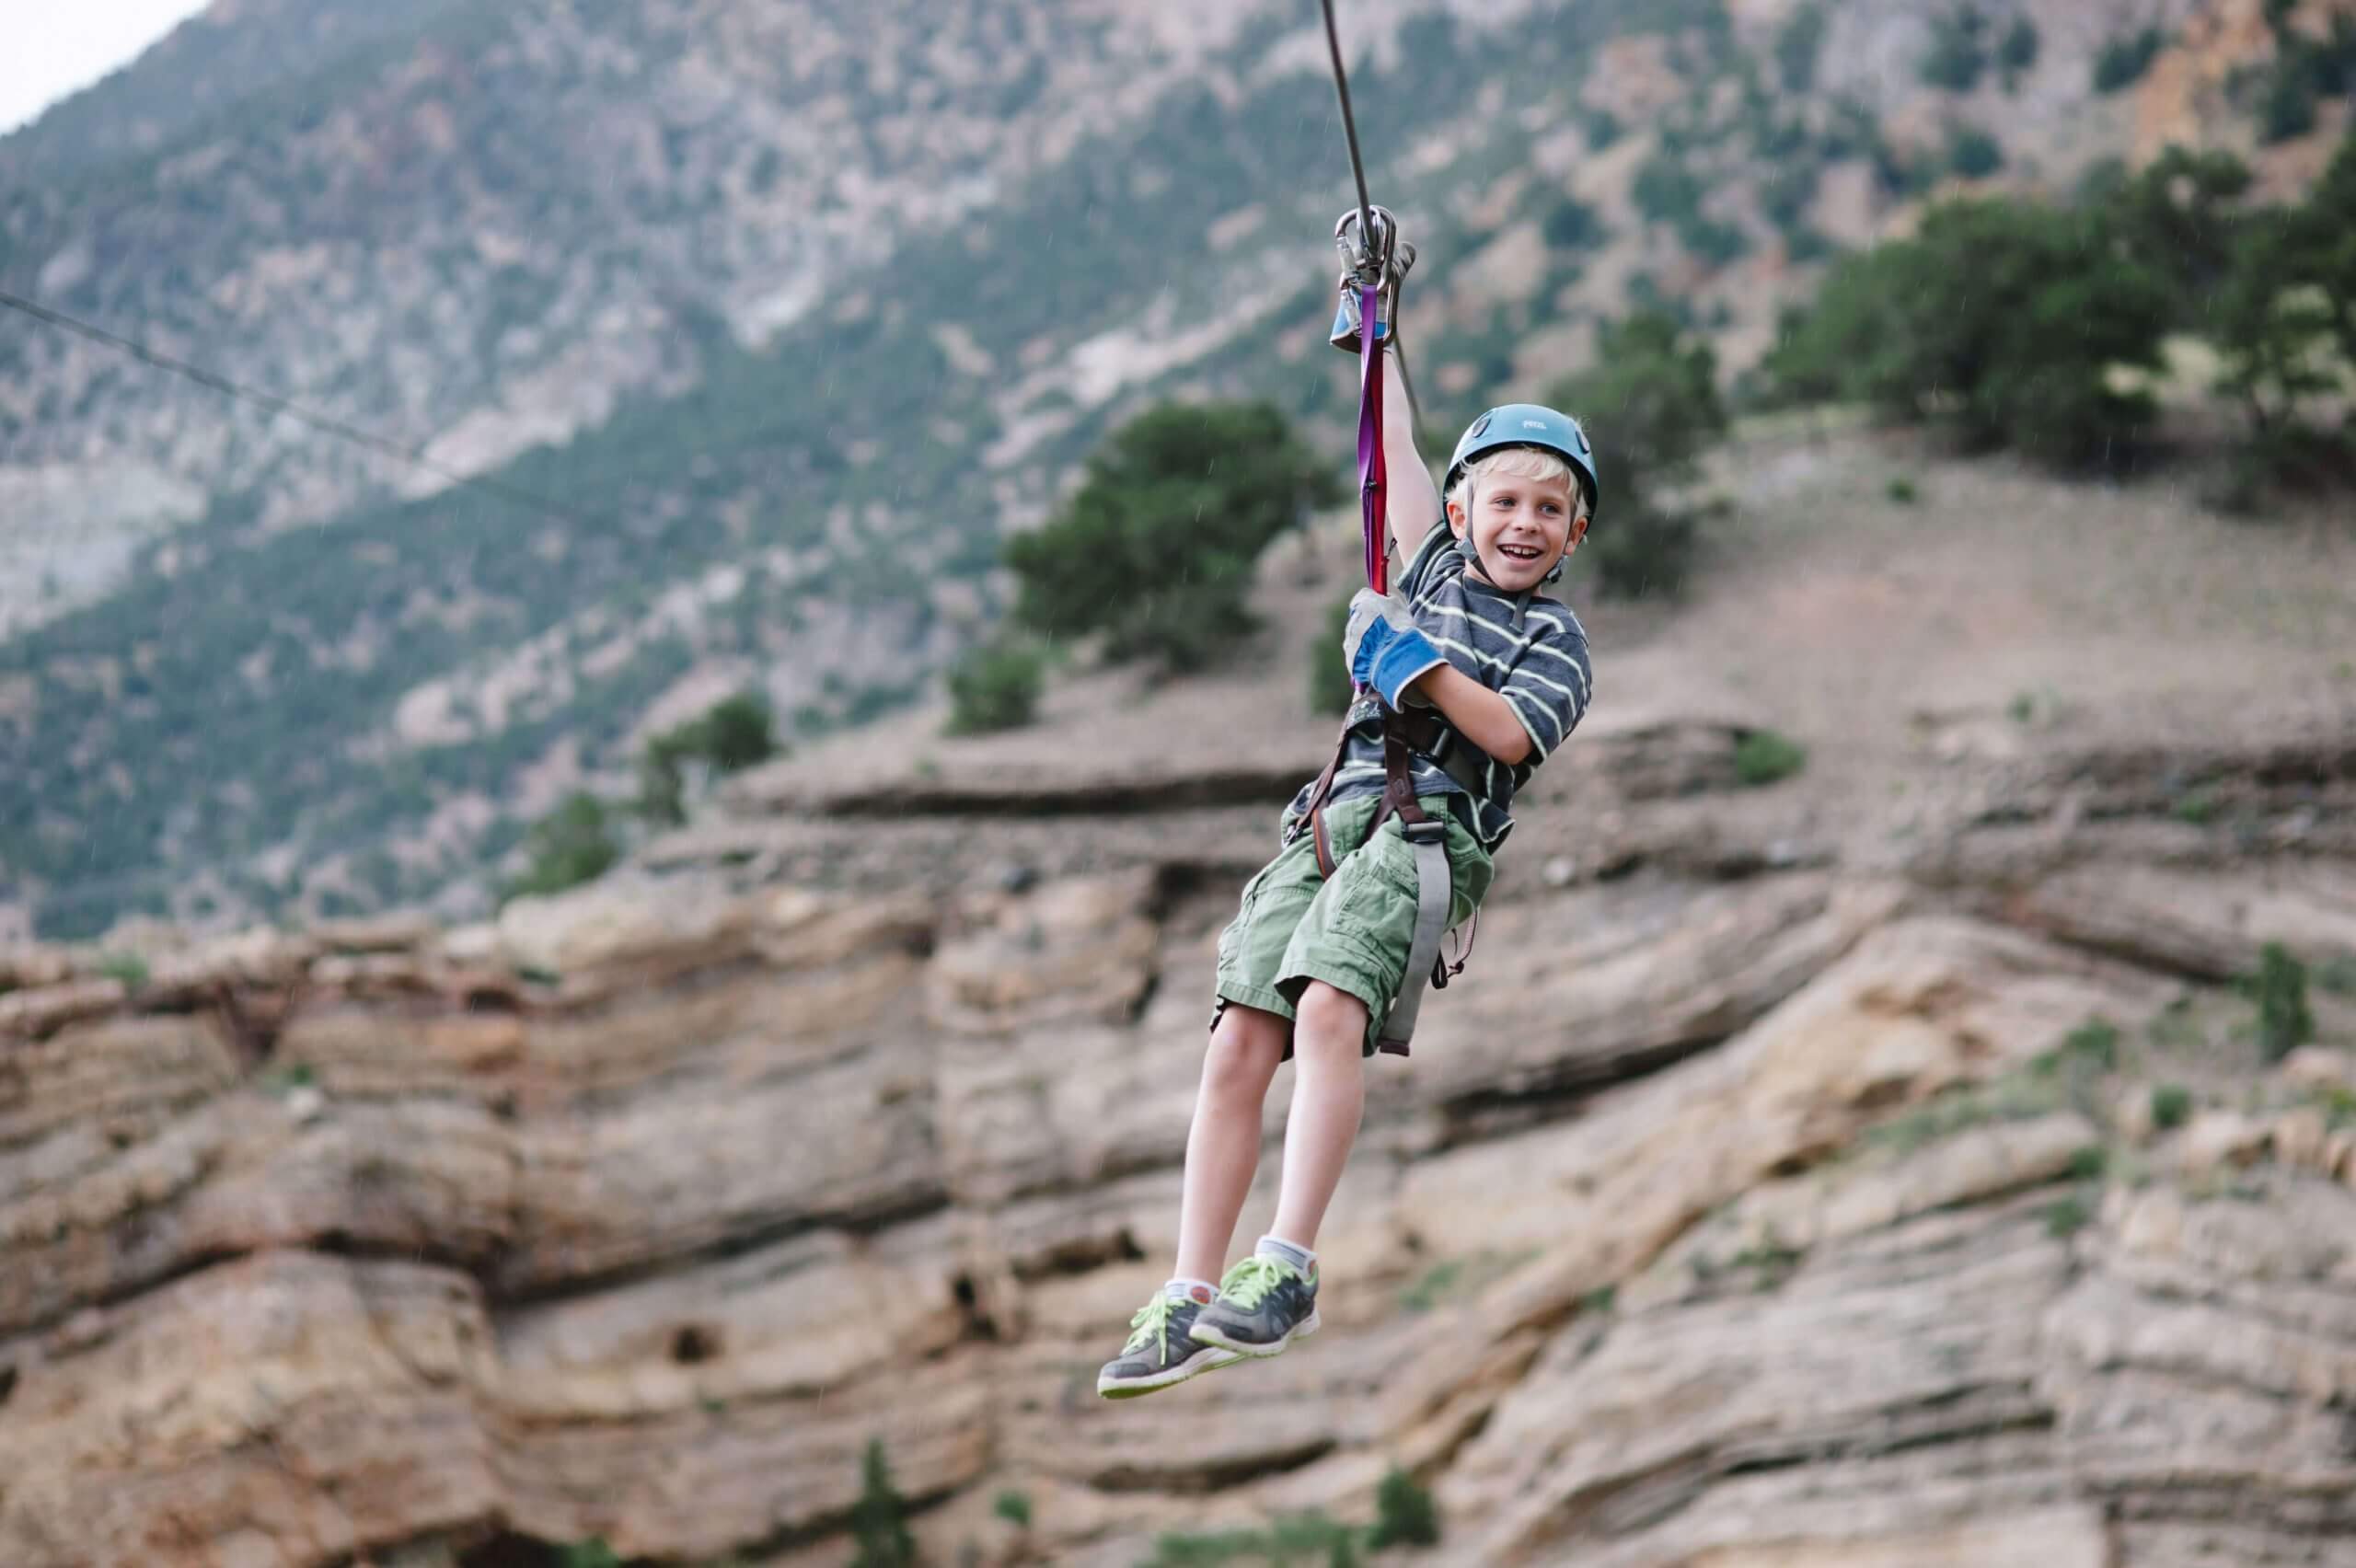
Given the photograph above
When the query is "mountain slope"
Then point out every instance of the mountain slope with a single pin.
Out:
(790, 313)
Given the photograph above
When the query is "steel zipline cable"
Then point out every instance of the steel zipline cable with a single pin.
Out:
(1350, 125)
(412, 455)
(1366, 203)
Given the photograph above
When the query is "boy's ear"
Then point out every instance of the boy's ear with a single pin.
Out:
(1579, 532)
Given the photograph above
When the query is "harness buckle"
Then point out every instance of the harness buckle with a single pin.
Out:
(1431, 830)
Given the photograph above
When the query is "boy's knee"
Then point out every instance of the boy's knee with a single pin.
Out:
(1330, 1018)
(1244, 1050)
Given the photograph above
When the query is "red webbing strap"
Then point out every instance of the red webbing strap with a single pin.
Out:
(1372, 477)
(1371, 474)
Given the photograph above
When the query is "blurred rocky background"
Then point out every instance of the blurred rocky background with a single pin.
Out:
(648, 1018)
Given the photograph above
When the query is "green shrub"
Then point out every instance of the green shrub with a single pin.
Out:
(570, 846)
(733, 734)
(1764, 757)
(2182, 214)
(1014, 1507)
(1155, 548)
(1973, 153)
(1667, 191)
(279, 1082)
(996, 686)
(1644, 553)
(591, 1553)
(1959, 51)
(737, 732)
(1803, 244)
(1712, 242)
(1651, 404)
(2003, 318)
(1901, 492)
(2280, 988)
(1403, 1514)
(1572, 225)
(2066, 1217)
(2196, 805)
(879, 1519)
(127, 967)
(2088, 1163)
(2287, 110)
(1286, 1541)
(2285, 309)
(2171, 1105)
(1799, 44)
(2095, 1042)
(2018, 50)
(2123, 61)
(1330, 686)
(1786, 194)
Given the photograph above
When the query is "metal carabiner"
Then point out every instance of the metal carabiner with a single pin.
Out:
(1366, 256)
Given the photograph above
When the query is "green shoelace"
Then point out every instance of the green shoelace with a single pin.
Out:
(1151, 1325)
(1249, 1282)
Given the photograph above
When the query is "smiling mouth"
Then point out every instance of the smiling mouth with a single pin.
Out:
(1520, 552)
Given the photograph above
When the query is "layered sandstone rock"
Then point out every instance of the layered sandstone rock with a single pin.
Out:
(1775, 1219)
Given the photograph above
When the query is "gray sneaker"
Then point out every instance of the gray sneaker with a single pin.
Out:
(1159, 1351)
(1263, 1305)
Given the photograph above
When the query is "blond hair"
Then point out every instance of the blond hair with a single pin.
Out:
(1523, 463)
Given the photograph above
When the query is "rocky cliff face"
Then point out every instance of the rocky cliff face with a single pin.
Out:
(1734, 1210)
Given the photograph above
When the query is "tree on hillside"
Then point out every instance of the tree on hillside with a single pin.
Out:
(733, 734)
(2183, 218)
(570, 845)
(2323, 240)
(2284, 325)
(995, 687)
(2003, 319)
(1651, 404)
(1155, 548)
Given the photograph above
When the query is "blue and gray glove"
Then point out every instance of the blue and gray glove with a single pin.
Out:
(1385, 648)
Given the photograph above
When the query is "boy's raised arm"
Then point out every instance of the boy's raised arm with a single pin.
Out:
(1412, 502)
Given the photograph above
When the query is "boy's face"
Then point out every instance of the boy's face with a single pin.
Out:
(1518, 528)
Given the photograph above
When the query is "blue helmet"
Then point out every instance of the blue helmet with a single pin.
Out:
(1528, 424)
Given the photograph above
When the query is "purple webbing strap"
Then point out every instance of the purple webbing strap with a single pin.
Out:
(1371, 474)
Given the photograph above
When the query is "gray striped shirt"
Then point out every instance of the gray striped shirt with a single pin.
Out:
(1540, 669)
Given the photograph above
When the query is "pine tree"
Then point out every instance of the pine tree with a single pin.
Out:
(879, 1519)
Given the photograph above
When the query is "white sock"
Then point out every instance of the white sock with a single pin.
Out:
(1292, 1253)
(1197, 1290)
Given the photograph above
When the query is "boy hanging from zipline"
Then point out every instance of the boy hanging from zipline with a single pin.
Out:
(1467, 678)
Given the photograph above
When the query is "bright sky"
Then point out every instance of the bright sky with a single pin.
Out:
(56, 47)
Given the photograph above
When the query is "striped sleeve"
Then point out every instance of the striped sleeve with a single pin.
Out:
(1414, 579)
(1548, 685)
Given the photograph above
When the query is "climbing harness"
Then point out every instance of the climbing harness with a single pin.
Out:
(1368, 240)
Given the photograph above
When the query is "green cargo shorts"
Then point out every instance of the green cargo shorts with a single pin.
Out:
(1352, 932)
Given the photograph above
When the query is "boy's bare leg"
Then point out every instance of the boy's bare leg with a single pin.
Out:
(1328, 1098)
(1223, 1145)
